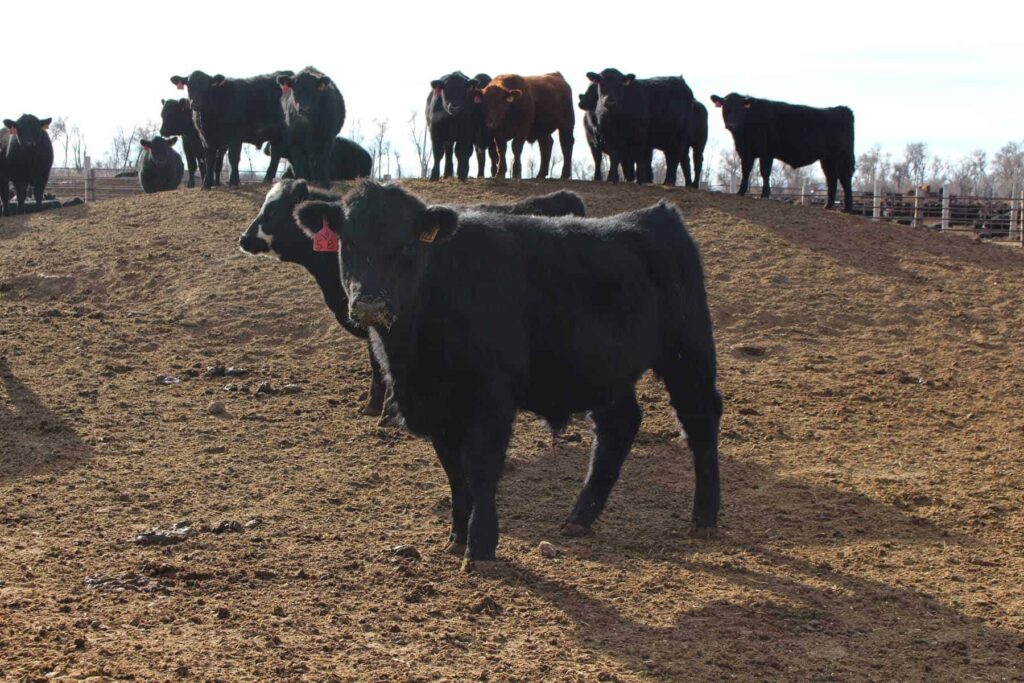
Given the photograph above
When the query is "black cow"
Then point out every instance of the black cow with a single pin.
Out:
(638, 115)
(478, 315)
(176, 119)
(27, 159)
(160, 167)
(230, 111)
(696, 141)
(274, 231)
(349, 160)
(588, 103)
(483, 140)
(314, 113)
(456, 122)
(796, 134)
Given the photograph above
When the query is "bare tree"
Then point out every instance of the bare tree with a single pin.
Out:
(398, 163)
(420, 140)
(729, 170)
(59, 135)
(380, 149)
(1008, 168)
(582, 170)
(79, 148)
(915, 156)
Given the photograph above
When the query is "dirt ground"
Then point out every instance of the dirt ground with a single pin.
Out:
(872, 453)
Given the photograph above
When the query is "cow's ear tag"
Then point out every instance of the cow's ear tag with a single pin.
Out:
(437, 92)
(325, 239)
(285, 88)
(429, 237)
(181, 86)
(477, 99)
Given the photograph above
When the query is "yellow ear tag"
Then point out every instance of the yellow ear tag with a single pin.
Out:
(429, 237)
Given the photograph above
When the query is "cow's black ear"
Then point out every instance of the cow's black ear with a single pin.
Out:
(325, 81)
(162, 102)
(313, 216)
(593, 77)
(171, 142)
(300, 190)
(628, 79)
(45, 123)
(217, 80)
(473, 83)
(437, 224)
(748, 102)
(145, 144)
(179, 81)
(8, 123)
(436, 85)
(718, 101)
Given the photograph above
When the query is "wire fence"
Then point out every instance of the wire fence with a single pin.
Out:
(998, 218)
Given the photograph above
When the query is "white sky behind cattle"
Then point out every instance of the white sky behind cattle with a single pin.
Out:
(910, 71)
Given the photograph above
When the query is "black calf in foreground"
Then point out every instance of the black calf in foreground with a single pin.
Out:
(160, 167)
(26, 157)
(798, 135)
(476, 315)
(275, 231)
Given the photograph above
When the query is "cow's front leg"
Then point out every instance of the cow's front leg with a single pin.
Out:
(235, 158)
(517, 163)
(501, 152)
(448, 448)
(746, 166)
(546, 145)
(483, 458)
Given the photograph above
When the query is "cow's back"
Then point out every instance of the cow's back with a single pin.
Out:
(552, 103)
(800, 135)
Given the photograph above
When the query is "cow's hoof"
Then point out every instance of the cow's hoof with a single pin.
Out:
(454, 548)
(573, 529)
(372, 408)
(703, 531)
(482, 567)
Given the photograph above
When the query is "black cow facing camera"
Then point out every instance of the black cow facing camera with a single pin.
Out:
(26, 158)
(160, 166)
(314, 113)
(476, 315)
(176, 119)
(793, 133)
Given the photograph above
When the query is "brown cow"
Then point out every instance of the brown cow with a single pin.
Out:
(530, 108)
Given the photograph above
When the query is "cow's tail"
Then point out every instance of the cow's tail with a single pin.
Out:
(846, 117)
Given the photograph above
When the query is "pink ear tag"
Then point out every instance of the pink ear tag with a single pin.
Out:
(477, 99)
(286, 88)
(181, 86)
(326, 239)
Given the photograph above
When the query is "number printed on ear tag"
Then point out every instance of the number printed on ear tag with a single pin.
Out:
(325, 239)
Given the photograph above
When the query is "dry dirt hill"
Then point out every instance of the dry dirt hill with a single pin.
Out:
(872, 450)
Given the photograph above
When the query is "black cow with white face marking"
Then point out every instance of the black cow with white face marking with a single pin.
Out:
(274, 231)
(27, 158)
(477, 315)
(230, 111)
(798, 135)
(588, 103)
(314, 112)
(176, 120)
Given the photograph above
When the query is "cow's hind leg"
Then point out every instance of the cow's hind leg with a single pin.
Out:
(615, 427)
(448, 451)
(566, 140)
(691, 387)
(517, 159)
(21, 191)
(766, 176)
(831, 184)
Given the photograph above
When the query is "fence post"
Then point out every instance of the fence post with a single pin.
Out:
(1013, 215)
(876, 200)
(1021, 217)
(945, 208)
(86, 173)
(803, 193)
(915, 222)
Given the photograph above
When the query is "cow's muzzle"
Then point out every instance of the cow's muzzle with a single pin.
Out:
(371, 313)
(252, 244)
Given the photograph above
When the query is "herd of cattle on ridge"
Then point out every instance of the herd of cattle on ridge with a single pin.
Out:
(472, 313)
(299, 116)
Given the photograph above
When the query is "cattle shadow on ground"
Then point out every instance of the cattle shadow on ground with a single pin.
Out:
(791, 618)
(34, 440)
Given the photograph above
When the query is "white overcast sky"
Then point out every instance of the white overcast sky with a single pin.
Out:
(948, 74)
